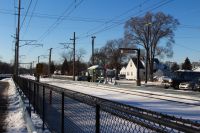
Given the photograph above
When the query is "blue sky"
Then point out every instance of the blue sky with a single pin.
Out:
(90, 17)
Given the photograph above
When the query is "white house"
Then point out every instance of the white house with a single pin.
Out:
(123, 71)
(197, 69)
(131, 69)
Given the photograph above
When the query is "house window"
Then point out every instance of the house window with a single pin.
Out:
(131, 64)
(131, 73)
(128, 73)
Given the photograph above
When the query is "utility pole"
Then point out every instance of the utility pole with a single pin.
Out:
(147, 53)
(31, 68)
(138, 68)
(93, 37)
(74, 41)
(38, 59)
(15, 60)
(50, 50)
(17, 39)
(146, 67)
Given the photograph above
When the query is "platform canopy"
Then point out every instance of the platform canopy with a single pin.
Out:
(94, 67)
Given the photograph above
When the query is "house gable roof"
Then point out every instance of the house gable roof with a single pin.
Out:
(141, 66)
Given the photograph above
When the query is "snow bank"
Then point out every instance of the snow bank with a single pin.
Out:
(14, 121)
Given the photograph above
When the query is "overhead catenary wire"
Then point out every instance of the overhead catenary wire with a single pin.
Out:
(118, 16)
(68, 11)
(157, 5)
(187, 48)
(28, 24)
(82, 19)
(22, 24)
(68, 18)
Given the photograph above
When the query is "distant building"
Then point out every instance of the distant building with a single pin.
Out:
(197, 69)
(195, 65)
(131, 69)
(123, 71)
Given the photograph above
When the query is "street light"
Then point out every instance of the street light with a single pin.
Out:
(93, 37)
(130, 50)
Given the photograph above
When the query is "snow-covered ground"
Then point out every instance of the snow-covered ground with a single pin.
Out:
(14, 120)
(178, 103)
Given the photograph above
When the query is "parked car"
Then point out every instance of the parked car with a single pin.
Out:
(193, 84)
(197, 87)
(186, 85)
(197, 84)
(165, 81)
(184, 76)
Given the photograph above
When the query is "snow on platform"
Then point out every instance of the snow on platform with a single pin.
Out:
(14, 120)
(175, 103)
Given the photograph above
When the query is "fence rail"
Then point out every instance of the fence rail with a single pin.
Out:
(64, 110)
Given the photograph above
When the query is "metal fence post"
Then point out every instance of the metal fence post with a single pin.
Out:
(62, 113)
(37, 97)
(34, 97)
(97, 118)
(29, 98)
(50, 97)
(43, 107)
(29, 93)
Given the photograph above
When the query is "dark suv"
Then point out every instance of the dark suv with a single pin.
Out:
(184, 76)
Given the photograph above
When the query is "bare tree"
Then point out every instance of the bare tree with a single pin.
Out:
(148, 31)
(115, 58)
(80, 54)
(67, 55)
(100, 57)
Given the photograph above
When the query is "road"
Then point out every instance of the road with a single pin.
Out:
(179, 103)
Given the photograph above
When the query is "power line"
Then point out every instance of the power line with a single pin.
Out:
(159, 4)
(116, 17)
(189, 27)
(59, 20)
(31, 17)
(26, 14)
(49, 16)
(188, 48)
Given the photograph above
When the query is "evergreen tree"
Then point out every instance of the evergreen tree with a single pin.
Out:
(187, 64)
(65, 67)
(175, 67)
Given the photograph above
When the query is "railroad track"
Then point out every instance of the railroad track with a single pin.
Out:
(170, 98)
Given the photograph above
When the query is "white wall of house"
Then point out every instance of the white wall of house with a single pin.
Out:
(131, 71)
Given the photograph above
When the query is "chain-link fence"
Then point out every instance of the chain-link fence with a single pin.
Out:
(64, 110)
